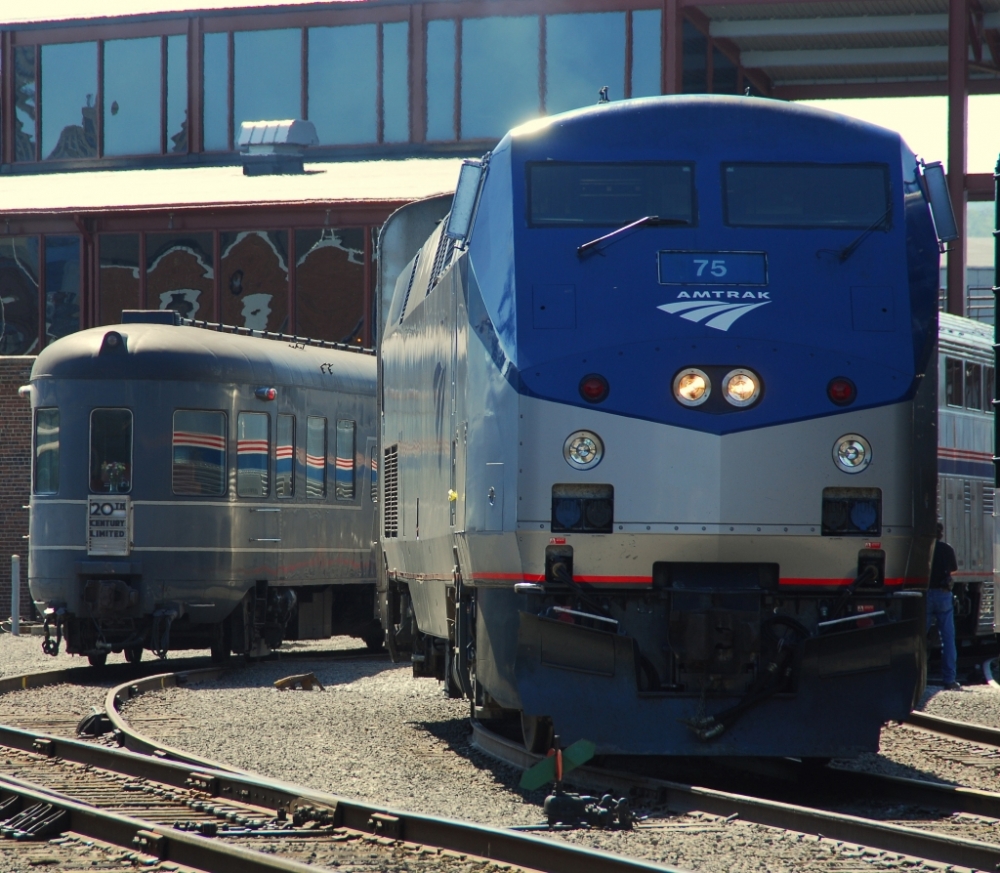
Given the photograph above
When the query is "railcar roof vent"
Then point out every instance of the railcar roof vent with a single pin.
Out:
(275, 147)
(150, 316)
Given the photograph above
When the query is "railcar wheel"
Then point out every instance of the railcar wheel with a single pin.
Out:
(133, 654)
(98, 659)
(374, 638)
(537, 733)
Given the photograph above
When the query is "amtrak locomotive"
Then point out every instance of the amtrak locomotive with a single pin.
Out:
(659, 429)
(195, 488)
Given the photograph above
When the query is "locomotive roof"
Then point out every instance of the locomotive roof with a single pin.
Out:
(193, 354)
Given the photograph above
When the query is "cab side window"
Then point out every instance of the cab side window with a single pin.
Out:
(345, 460)
(111, 451)
(253, 447)
(315, 456)
(284, 457)
(954, 391)
(199, 452)
(46, 451)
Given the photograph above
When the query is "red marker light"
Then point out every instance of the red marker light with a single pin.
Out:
(265, 393)
(594, 388)
(841, 391)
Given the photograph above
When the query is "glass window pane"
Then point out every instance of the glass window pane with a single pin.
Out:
(255, 279)
(953, 390)
(725, 75)
(852, 196)
(267, 76)
(69, 100)
(646, 53)
(177, 94)
(46, 451)
(973, 386)
(284, 457)
(695, 54)
(609, 194)
(131, 105)
(440, 80)
(989, 387)
(179, 274)
(396, 82)
(62, 286)
(583, 53)
(111, 451)
(19, 293)
(253, 446)
(330, 283)
(342, 83)
(499, 75)
(215, 93)
(315, 457)
(199, 448)
(24, 103)
(345, 460)
(119, 275)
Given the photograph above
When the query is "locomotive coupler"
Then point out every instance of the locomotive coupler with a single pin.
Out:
(160, 636)
(56, 613)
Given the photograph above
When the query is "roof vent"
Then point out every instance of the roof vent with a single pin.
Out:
(275, 147)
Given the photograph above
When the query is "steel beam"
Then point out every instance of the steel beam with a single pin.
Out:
(958, 122)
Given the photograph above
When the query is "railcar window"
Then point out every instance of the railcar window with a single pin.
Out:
(199, 452)
(345, 460)
(46, 451)
(609, 194)
(973, 386)
(989, 387)
(853, 196)
(252, 450)
(315, 456)
(953, 381)
(111, 451)
(284, 457)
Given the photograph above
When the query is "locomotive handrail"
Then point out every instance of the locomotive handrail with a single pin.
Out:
(218, 327)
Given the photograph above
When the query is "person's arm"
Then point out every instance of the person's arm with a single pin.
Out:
(952, 560)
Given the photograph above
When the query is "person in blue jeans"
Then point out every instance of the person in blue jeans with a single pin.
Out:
(941, 608)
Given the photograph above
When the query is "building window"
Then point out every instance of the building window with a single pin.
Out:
(215, 92)
(395, 82)
(330, 284)
(284, 457)
(254, 277)
(645, 72)
(199, 452)
(582, 54)
(131, 106)
(441, 80)
(252, 451)
(267, 76)
(46, 451)
(110, 451)
(315, 456)
(69, 101)
(19, 295)
(177, 94)
(25, 104)
(180, 275)
(343, 83)
(118, 259)
(62, 286)
(345, 460)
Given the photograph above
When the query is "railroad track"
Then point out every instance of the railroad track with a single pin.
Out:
(218, 819)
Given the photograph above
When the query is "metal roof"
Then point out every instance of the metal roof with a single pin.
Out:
(105, 191)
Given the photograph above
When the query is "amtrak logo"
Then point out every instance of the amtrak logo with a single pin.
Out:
(714, 312)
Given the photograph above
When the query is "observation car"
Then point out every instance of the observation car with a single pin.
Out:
(659, 428)
(197, 488)
(966, 379)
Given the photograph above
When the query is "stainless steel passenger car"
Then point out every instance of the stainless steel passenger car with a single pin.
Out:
(965, 498)
(197, 488)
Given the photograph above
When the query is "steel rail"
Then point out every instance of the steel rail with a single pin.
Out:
(504, 846)
(682, 798)
(963, 730)
(164, 843)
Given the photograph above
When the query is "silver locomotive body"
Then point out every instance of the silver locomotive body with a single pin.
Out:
(197, 489)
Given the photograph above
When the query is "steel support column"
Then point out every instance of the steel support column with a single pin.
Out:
(958, 120)
(672, 41)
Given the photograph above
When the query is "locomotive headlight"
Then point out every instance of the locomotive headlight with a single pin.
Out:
(852, 453)
(692, 387)
(741, 387)
(583, 450)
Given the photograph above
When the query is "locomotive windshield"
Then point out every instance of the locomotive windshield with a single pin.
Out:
(609, 194)
(110, 451)
(852, 196)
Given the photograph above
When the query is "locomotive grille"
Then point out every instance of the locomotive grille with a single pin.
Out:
(442, 258)
(409, 288)
(391, 486)
(987, 500)
(967, 496)
(987, 600)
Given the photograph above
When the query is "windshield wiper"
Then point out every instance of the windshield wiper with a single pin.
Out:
(595, 245)
(848, 250)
